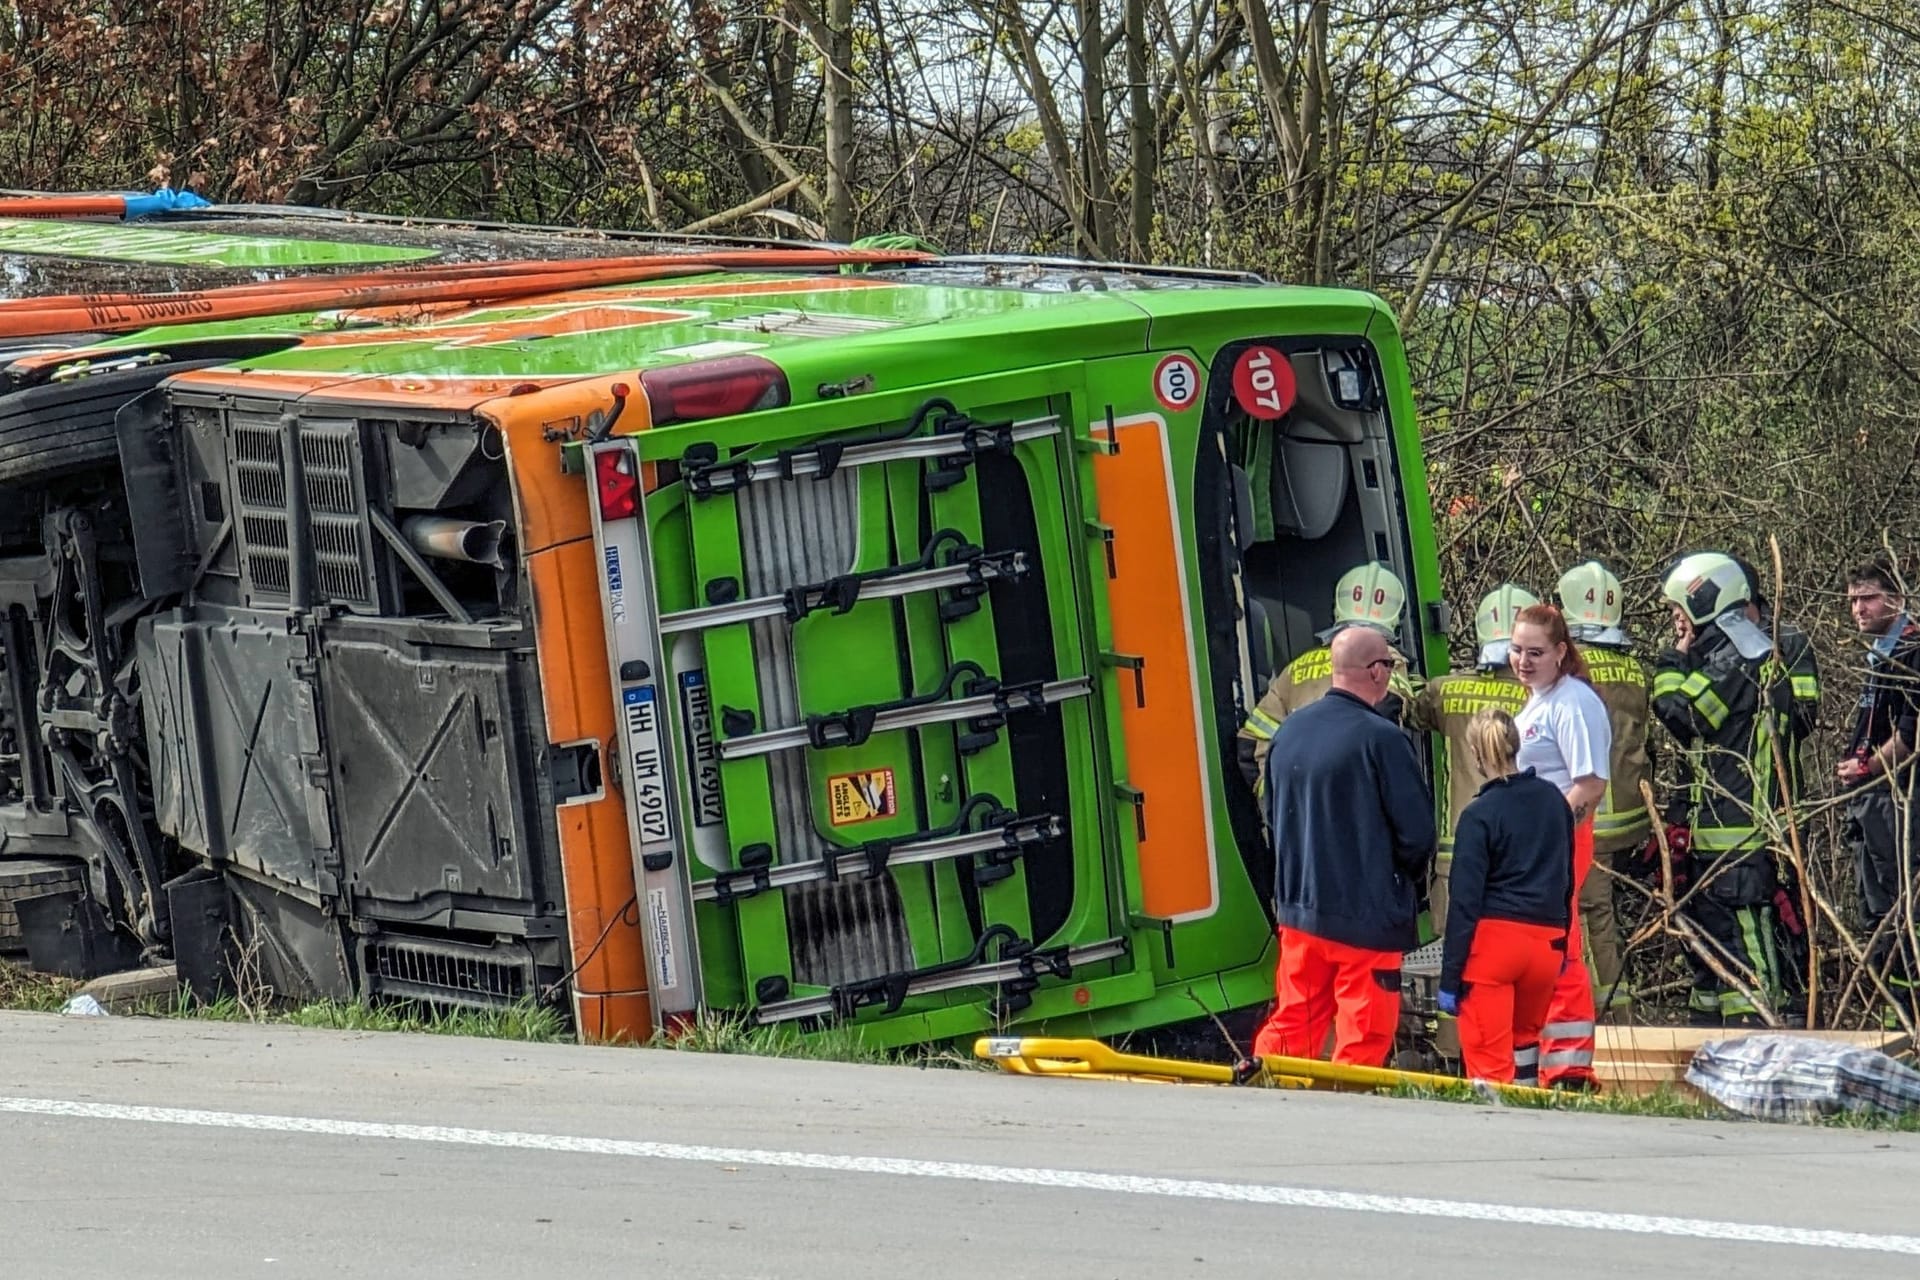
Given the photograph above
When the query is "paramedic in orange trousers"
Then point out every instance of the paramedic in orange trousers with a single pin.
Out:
(1508, 908)
(1566, 737)
(1353, 833)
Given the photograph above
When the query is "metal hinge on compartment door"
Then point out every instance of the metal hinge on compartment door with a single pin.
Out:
(1015, 974)
(997, 836)
(983, 705)
(315, 768)
(949, 563)
(955, 442)
(656, 802)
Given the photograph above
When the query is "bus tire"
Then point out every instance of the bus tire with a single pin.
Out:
(61, 428)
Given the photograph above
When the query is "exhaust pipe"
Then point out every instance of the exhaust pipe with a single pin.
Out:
(450, 539)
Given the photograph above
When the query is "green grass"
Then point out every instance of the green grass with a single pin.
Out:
(711, 1033)
(732, 1033)
(33, 992)
(523, 1021)
(1663, 1104)
(44, 993)
(1668, 1104)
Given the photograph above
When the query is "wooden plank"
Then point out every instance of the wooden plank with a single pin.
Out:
(1677, 1045)
(1638, 1079)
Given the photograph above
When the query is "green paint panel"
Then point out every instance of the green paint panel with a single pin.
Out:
(849, 660)
(872, 329)
(116, 242)
(634, 330)
(939, 760)
(745, 785)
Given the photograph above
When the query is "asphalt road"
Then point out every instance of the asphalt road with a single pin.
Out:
(164, 1149)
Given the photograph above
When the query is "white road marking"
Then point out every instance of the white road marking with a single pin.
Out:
(1063, 1179)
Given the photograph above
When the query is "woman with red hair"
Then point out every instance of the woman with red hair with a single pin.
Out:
(1566, 739)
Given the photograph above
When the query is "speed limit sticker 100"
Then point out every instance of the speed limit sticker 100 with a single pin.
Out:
(1176, 383)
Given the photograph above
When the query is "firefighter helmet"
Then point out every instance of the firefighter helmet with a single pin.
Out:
(1756, 589)
(1368, 595)
(1493, 621)
(1706, 585)
(1590, 596)
(1712, 589)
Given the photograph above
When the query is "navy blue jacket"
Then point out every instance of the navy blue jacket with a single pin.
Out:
(1512, 860)
(1352, 823)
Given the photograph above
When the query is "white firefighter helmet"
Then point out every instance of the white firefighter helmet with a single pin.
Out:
(1368, 595)
(1712, 589)
(1493, 621)
(1591, 598)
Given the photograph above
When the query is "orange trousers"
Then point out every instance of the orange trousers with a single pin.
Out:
(1566, 1041)
(1509, 979)
(1324, 986)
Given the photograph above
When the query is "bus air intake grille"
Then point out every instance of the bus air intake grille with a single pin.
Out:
(840, 931)
(449, 973)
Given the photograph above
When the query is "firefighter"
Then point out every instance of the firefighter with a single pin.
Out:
(1592, 600)
(1506, 939)
(1740, 708)
(1447, 704)
(1877, 769)
(1366, 596)
(1790, 931)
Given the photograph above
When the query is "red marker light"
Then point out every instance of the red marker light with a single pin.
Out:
(617, 480)
(1082, 996)
(714, 389)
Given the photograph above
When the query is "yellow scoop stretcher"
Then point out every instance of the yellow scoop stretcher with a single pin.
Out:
(1093, 1060)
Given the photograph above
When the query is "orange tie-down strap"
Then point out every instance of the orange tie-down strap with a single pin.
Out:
(63, 207)
(399, 287)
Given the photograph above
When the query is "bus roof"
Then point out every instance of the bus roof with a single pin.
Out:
(1049, 308)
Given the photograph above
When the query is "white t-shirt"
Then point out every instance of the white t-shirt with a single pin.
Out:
(1565, 733)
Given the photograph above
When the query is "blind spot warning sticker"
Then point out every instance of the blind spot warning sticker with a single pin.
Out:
(861, 797)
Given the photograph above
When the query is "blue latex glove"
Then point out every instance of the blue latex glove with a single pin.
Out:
(165, 200)
(1449, 1002)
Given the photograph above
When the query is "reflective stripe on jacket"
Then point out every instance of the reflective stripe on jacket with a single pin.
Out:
(1621, 681)
(1732, 715)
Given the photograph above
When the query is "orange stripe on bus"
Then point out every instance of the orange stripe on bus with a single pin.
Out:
(1148, 600)
(460, 393)
(675, 292)
(596, 864)
(555, 528)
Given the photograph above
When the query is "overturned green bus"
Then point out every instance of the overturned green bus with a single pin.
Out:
(828, 634)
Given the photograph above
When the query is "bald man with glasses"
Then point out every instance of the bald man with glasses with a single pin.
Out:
(1353, 834)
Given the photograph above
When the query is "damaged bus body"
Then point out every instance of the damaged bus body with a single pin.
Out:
(828, 635)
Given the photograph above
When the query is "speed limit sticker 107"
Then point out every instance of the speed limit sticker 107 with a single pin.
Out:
(1263, 384)
(1176, 383)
